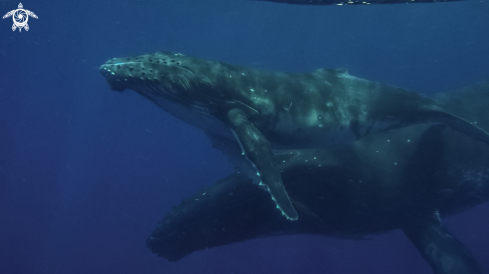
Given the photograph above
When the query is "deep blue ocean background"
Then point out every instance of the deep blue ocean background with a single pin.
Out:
(86, 173)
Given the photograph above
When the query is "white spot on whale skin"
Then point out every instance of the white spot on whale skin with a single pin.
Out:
(288, 108)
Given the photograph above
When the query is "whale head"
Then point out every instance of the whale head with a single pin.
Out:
(177, 83)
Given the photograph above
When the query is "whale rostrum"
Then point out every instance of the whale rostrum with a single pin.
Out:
(249, 112)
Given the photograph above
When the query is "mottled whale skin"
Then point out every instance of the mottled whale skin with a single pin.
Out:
(405, 179)
(249, 112)
(352, 2)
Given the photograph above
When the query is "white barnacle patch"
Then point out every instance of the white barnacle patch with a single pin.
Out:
(320, 120)
(313, 118)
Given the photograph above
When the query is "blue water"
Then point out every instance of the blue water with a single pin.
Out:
(86, 173)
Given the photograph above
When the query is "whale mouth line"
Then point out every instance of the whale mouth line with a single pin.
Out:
(155, 93)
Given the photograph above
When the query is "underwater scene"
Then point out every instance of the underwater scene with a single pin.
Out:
(244, 136)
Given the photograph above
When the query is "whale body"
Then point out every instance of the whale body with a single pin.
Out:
(249, 112)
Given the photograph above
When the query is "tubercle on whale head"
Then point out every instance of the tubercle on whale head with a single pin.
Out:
(163, 70)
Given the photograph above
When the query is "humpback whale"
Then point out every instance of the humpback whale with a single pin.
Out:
(248, 112)
(353, 2)
(405, 179)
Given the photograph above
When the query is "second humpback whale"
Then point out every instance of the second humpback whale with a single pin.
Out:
(249, 112)
(405, 179)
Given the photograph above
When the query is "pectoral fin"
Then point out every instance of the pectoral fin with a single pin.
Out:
(257, 150)
(459, 124)
(444, 253)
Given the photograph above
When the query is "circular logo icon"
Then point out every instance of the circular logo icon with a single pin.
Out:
(20, 18)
